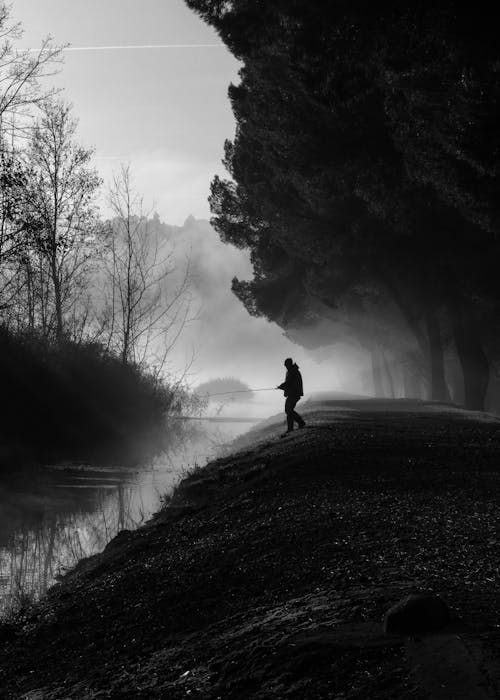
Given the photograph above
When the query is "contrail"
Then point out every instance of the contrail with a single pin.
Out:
(137, 47)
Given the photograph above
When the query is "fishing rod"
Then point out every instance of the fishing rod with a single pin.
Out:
(224, 393)
(239, 391)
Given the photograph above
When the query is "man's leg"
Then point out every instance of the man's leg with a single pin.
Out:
(295, 417)
(298, 419)
(289, 406)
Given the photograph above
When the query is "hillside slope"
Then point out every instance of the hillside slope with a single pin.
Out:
(270, 571)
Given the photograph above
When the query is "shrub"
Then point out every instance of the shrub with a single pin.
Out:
(75, 400)
(230, 388)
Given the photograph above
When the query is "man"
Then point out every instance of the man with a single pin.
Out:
(292, 386)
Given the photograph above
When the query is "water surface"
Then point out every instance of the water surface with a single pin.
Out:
(51, 519)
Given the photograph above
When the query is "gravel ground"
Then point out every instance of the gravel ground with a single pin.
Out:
(269, 573)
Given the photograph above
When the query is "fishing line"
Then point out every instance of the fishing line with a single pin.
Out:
(238, 391)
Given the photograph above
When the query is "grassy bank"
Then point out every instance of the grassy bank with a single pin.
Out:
(269, 572)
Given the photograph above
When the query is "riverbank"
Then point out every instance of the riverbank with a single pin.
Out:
(269, 572)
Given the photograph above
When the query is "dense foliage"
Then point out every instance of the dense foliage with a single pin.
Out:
(77, 401)
(364, 173)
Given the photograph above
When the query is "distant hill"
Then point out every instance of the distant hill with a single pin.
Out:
(227, 388)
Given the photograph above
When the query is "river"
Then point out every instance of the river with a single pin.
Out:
(52, 518)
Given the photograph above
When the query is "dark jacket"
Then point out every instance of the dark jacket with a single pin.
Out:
(292, 386)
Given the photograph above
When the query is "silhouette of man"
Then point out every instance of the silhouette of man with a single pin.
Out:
(293, 389)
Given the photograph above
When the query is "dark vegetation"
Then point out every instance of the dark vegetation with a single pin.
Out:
(365, 176)
(226, 388)
(268, 574)
(77, 401)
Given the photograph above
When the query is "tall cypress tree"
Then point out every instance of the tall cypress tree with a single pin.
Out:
(346, 162)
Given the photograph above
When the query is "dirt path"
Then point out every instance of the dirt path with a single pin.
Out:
(270, 572)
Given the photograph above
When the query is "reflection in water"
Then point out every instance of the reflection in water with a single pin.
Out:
(50, 520)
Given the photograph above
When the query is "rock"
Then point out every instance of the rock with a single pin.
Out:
(417, 613)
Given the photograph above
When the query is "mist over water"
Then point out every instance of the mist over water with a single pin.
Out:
(51, 519)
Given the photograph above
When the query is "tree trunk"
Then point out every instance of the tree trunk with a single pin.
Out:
(439, 390)
(473, 360)
(57, 300)
(388, 375)
(30, 297)
(456, 381)
(378, 385)
(411, 387)
(493, 402)
(402, 302)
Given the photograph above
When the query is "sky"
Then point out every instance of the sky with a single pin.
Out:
(165, 112)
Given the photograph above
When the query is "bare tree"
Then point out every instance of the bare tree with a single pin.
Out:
(60, 214)
(147, 301)
(20, 75)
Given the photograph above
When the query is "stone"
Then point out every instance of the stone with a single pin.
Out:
(416, 614)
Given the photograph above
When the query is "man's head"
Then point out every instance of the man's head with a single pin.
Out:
(288, 362)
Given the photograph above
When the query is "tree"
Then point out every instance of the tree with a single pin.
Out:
(442, 99)
(12, 240)
(231, 388)
(331, 222)
(59, 215)
(20, 75)
(307, 193)
(147, 296)
(319, 174)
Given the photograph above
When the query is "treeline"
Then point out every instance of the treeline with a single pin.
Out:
(89, 307)
(365, 174)
(225, 388)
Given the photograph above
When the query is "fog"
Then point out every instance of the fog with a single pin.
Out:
(224, 340)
